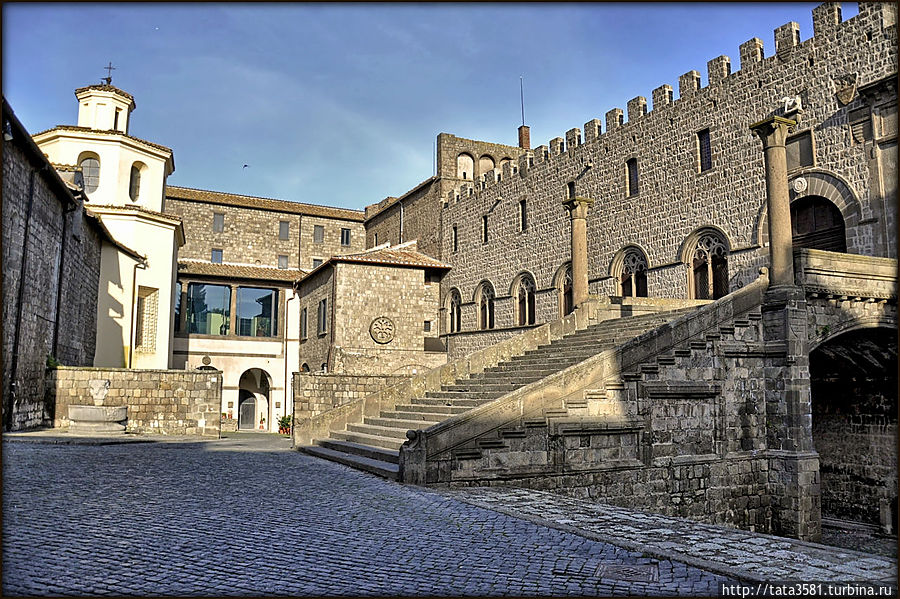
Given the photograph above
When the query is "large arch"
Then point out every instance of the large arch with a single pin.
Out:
(254, 399)
(822, 184)
(853, 382)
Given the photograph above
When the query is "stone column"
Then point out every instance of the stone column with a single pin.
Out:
(578, 209)
(773, 132)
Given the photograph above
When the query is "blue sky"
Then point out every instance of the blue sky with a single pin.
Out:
(341, 104)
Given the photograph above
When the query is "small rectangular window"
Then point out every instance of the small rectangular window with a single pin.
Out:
(318, 234)
(632, 166)
(523, 215)
(303, 324)
(376, 239)
(704, 151)
(216, 257)
(323, 316)
(284, 230)
(427, 326)
(218, 222)
(317, 262)
(799, 151)
(345, 237)
(282, 261)
(484, 229)
(455, 237)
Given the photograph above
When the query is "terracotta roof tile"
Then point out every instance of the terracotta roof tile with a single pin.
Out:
(238, 271)
(233, 199)
(106, 88)
(107, 131)
(136, 208)
(393, 256)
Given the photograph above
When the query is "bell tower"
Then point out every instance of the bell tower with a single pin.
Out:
(104, 107)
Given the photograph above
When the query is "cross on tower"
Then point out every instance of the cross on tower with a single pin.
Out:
(109, 69)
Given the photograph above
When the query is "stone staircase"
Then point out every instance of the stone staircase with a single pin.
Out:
(373, 445)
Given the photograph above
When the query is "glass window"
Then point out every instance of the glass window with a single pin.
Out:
(218, 222)
(632, 176)
(209, 309)
(523, 215)
(282, 261)
(317, 262)
(284, 229)
(705, 152)
(90, 170)
(216, 257)
(178, 307)
(304, 330)
(256, 311)
(322, 316)
(345, 237)
(134, 185)
(318, 234)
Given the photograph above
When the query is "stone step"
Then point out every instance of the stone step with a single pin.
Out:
(443, 412)
(480, 396)
(423, 418)
(476, 386)
(520, 378)
(394, 423)
(366, 439)
(366, 451)
(454, 399)
(383, 469)
(388, 432)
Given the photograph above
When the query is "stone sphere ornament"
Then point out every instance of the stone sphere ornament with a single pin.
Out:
(382, 330)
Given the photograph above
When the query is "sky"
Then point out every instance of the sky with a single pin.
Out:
(340, 104)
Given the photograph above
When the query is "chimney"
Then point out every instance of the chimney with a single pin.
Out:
(524, 137)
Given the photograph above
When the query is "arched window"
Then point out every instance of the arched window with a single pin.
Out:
(90, 170)
(525, 300)
(817, 224)
(485, 302)
(134, 183)
(454, 311)
(709, 266)
(465, 167)
(304, 367)
(563, 284)
(633, 278)
(485, 164)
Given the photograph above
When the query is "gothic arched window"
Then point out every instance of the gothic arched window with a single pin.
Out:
(454, 312)
(633, 278)
(563, 284)
(525, 300)
(485, 301)
(709, 267)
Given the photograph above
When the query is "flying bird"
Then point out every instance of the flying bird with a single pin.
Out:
(246, 165)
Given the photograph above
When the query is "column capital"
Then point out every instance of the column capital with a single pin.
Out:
(578, 207)
(774, 130)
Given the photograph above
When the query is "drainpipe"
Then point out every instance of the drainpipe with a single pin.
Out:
(142, 265)
(13, 385)
(59, 278)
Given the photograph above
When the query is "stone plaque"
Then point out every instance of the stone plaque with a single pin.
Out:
(382, 330)
(799, 185)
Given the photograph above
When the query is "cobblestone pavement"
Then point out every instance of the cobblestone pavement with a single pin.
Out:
(745, 555)
(247, 516)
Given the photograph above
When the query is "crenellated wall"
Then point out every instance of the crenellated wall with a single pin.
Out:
(674, 197)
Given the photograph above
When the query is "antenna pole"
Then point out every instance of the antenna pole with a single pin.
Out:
(522, 97)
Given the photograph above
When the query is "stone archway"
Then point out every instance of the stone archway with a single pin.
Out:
(254, 403)
(853, 378)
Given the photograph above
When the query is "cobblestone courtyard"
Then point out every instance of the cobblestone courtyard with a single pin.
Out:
(247, 516)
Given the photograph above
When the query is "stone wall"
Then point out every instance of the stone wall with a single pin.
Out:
(51, 270)
(315, 347)
(317, 393)
(674, 198)
(420, 214)
(406, 297)
(168, 402)
(251, 234)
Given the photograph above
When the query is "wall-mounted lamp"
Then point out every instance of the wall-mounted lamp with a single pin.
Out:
(7, 131)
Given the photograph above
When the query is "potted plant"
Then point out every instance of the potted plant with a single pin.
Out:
(284, 424)
(262, 423)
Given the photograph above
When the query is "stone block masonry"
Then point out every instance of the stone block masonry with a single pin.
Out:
(168, 402)
(317, 393)
(51, 271)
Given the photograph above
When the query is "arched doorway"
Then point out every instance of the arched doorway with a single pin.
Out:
(253, 400)
(817, 224)
(853, 379)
